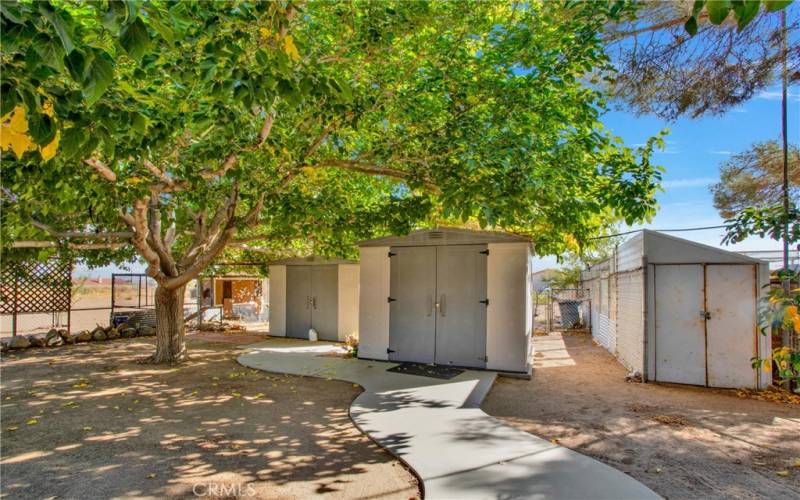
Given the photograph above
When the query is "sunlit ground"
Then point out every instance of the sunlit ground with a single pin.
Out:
(89, 421)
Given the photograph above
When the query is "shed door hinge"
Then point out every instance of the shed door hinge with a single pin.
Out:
(486, 302)
(389, 351)
(485, 252)
(392, 254)
(389, 299)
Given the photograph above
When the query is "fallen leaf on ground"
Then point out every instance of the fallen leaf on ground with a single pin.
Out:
(87, 428)
(670, 420)
(32, 421)
(151, 476)
(12, 428)
(782, 473)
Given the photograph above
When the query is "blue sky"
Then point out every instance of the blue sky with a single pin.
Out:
(692, 156)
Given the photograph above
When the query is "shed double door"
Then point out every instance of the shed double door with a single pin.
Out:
(438, 303)
(312, 301)
(705, 324)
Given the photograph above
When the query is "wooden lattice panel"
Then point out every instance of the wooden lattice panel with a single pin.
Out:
(40, 287)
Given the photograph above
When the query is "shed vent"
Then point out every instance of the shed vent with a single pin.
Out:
(435, 235)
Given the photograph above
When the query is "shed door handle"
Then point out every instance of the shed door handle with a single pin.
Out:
(705, 314)
(430, 304)
(314, 302)
(442, 303)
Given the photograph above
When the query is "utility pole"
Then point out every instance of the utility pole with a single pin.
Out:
(785, 133)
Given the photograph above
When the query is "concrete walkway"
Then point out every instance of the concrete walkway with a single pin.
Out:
(437, 428)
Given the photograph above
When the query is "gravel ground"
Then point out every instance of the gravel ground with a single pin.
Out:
(682, 442)
(89, 421)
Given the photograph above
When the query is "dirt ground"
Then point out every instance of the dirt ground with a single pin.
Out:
(682, 442)
(88, 421)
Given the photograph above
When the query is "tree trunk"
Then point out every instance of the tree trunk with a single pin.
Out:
(170, 328)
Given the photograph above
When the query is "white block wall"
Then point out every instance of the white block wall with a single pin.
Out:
(373, 308)
(277, 298)
(348, 300)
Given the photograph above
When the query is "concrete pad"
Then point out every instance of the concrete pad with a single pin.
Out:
(437, 428)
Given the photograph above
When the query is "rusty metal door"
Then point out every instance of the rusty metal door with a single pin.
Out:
(680, 338)
(731, 324)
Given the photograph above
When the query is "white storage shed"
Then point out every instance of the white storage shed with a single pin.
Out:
(447, 296)
(316, 293)
(678, 311)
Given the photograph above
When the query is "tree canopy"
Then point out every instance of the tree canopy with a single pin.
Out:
(453, 111)
(755, 177)
(696, 59)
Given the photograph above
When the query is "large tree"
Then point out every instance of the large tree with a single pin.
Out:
(754, 178)
(688, 58)
(173, 130)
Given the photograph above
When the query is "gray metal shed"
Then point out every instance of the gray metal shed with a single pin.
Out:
(314, 292)
(679, 311)
(447, 296)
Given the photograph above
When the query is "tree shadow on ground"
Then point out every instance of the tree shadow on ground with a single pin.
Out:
(680, 441)
(90, 421)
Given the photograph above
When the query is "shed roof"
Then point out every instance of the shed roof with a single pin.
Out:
(311, 260)
(661, 248)
(445, 236)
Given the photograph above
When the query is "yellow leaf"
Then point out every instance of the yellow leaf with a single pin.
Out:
(782, 473)
(87, 428)
(12, 428)
(290, 48)
(18, 121)
(767, 365)
(797, 462)
(32, 421)
(16, 142)
(50, 150)
(265, 33)
(791, 311)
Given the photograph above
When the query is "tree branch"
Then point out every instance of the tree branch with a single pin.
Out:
(71, 246)
(79, 235)
(372, 169)
(102, 169)
(137, 221)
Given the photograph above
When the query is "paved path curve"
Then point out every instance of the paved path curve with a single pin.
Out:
(438, 429)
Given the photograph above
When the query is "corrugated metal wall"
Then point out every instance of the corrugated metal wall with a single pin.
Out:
(617, 297)
(630, 328)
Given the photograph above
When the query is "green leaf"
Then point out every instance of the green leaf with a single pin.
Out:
(8, 99)
(72, 139)
(138, 122)
(718, 10)
(698, 6)
(691, 26)
(776, 5)
(58, 23)
(99, 76)
(41, 128)
(11, 12)
(76, 64)
(116, 12)
(155, 21)
(745, 11)
(135, 39)
(51, 52)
